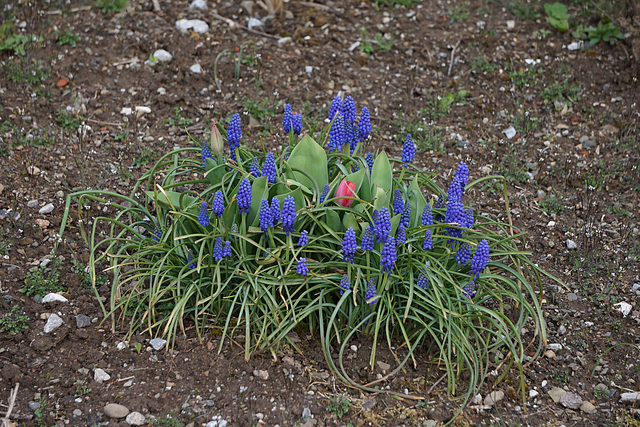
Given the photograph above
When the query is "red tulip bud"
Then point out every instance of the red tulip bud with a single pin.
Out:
(346, 189)
(217, 144)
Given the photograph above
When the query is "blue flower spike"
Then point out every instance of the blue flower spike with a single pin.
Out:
(244, 196)
(203, 216)
(302, 268)
(349, 245)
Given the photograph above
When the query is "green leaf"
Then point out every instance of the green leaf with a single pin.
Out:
(381, 199)
(350, 220)
(310, 157)
(259, 191)
(215, 172)
(557, 16)
(418, 202)
(174, 200)
(333, 220)
(382, 174)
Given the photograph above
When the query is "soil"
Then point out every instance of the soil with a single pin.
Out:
(573, 186)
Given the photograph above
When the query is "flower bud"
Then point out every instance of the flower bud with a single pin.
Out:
(345, 189)
(217, 144)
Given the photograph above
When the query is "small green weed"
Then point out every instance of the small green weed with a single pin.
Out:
(552, 204)
(179, 121)
(16, 42)
(339, 406)
(458, 13)
(169, 421)
(525, 123)
(147, 155)
(440, 106)
(512, 169)
(138, 347)
(39, 413)
(67, 37)
(68, 120)
(557, 16)
(111, 5)
(260, 110)
(561, 91)
(43, 280)
(617, 209)
(600, 393)
(20, 72)
(493, 186)
(524, 77)
(14, 322)
(82, 388)
(560, 376)
(525, 11)
(541, 34)
(85, 277)
(251, 59)
(383, 43)
(608, 32)
(615, 325)
(427, 137)
(482, 64)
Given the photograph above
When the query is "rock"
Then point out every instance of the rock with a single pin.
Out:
(630, 397)
(101, 376)
(624, 308)
(555, 347)
(353, 348)
(162, 55)
(77, 412)
(588, 407)
(1, 188)
(384, 366)
(263, 375)
(33, 170)
(556, 394)
(142, 110)
(196, 69)
(114, 410)
(430, 423)
(533, 394)
(511, 24)
(135, 419)
(48, 208)
(54, 322)
(306, 415)
(32, 204)
(308, 69)
(200, 5)
(571, 244)
(254, 23)
(60, 194)
(493, 397)
(509, 132)
(571, 400)
(550, 354)
(572, 297)
(157, 343)
(34, 405)
(82, 321)
(126, 111)
(42, 223)
(284, 40)
(197, 25)
(562, 330)
(477, 399)
(589, 143)
(53, 297)
(575, 45)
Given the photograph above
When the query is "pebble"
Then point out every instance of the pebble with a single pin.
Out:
(53, 323)
(142, 110)
(493, 397)
(1, 188)
(511, 24)
(556, 394)
(114, 410)
(162, 55)
(263, 375)
(196, 69)
(550, 354)
(588, 407)
(254, 23)
(533, 394)
(562, 330)
(53, 297)
(354, 348)
(33, 170)
(509, 132)
(32, 204)
(197, 25)
(308, 69)
(555, 347)
(77, 412)
(382, 365)
(571, 400)
(60, 194)
(82, 321)
(630, 397)
(306, 415)
(48, 208)
(198, 4)
(126, 111)
(135, 419)
(571, 244)
(157, 343)
(572, 297)
(101, 376)
(34, 405)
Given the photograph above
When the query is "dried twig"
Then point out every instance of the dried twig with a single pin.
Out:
(453, 53)
(73, 10)
(12, 401)
(233, 24)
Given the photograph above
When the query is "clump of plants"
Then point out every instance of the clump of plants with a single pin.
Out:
(14, 321)
(323, 235)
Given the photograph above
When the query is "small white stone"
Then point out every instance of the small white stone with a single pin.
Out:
(571, 244)
(48, 208)
(198, 4)
(284, 40)
(511, 24)
(624, 308)
(126, 111)
(32, 204)
(53, 297)
(196, 69)
(162, 55)
(510, 132)
(493, 397)
(101, 376)
(135, 419)
(54, 322)
(555, 347)
(354, 348)
(575, 45)
(551, 224)
(308, 69)
(254, 23)
(122, 345)
(533, 394)
(157, 343)
(142, 110)
(197, 25)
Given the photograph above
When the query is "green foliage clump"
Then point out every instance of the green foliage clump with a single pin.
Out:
(198, 244)
(16, 42)
(14, 322)
(43, 280)
(68, 120)
(111, 5)
(339, 406)
(20, 72)
(557, 16)
(67, 37)
(605, 32)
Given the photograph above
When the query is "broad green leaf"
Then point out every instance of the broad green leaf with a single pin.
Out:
(350, 220)
(214, 172)
(259, 191)
(333, 220)
(175, 199)
(418, 202)
(382, 174)
(310, 157)
(381, 199)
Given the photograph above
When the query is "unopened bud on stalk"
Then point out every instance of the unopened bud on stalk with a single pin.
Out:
(217, 144)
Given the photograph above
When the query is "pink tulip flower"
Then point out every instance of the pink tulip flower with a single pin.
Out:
(345, 189)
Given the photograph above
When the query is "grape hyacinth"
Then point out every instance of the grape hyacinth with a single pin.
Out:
(352, 137)
(206, 153)
(367, 239)
(423, 281)
(455, 190)
(369, 159)
(388, 256)
(455, 215)
(462, 175)
(254, 169)
(405, 218)
(226, 252)
(269, 168)
(428, 240)
(243, 198)
(336, 105)
(348, 110)
(275, 211)
(337, 134)
(234, 134)
(408, 150)
(349, 245)
(217, 206)
(344, 284)
(288, 216)
(469, 220)
(401, 236)
(480, 259)
(266, 220)
(296, 123)
(304, 238)
(287, 118)
(203, 216)
(398, 203)
(364, 124)
(463, 254)
(157, 234)
(190, 260)
(427, 216)
(469, 290)
(302, 268)
(218, 249)
(382, 225)
(371, 294)
(325, 191)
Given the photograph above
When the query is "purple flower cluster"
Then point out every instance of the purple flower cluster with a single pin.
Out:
(405, 218)
(221, 250)
(190, 261)
(369, 159)
(288, 216)
(408, 150)
(428, 240)
(463, 254)
(203, 216)
(336, 106)
(371, 294)
(302, 268)
(275, 211)
(205, 153)
(367, 239)
(348, 110)
(337, 134)
(234, 134)
(157, 234)
(455, 215)
(217, 206)
(401, 236)
(364, 124)
(269, 168)
(324, 194)
(287, 118)
(344, 284)
(304, 238)
(480, 259)
(382, 224)
(427, 216)
(296, 123)
(244, 196)
(388, 256)
(254, 169)
(349, 245)
(264, 215)
(398, 203)
(423, 281)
